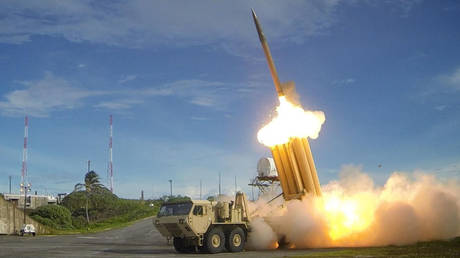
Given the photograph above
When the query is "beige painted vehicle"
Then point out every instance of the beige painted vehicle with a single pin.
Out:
(207, 226)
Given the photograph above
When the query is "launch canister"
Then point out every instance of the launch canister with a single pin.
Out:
(268, 55)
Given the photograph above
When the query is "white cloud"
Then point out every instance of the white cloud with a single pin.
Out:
(118, 104)
(39, 98)
(144, 23)
(226, 25)
(440, 107)
(127, 78)
(344, 82)
(14, 38)
(406, 6)
(199, 118)
(444, 84)
(210, 94)
(452, 80)
(51, 93)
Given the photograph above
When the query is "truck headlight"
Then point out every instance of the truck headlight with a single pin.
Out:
(157, 222)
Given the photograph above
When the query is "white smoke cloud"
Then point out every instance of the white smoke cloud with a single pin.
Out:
(408, 208)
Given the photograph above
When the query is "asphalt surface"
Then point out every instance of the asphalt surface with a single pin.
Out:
(138, 240)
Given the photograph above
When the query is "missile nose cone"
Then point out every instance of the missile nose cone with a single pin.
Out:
(253, 13)
(258, 27)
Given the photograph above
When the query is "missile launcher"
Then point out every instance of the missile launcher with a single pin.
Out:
(293, 160)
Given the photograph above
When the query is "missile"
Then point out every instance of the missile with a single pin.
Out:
(268, 55)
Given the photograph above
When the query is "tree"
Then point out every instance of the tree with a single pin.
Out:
(175, 198)
(91, 185)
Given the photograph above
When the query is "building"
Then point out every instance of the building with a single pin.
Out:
(33, 201)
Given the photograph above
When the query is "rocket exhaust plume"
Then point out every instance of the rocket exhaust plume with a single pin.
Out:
(350, 211)
(291, 122)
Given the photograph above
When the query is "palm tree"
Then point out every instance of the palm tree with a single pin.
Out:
(91, 184)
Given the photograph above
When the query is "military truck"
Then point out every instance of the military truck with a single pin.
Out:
(206, 226)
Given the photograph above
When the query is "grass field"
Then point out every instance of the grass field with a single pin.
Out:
(449, 248)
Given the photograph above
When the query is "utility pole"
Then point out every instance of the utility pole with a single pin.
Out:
(170, 188)
(9, 178)
(142, 195)
(89, 165)
(26, 189)
(110, 167)
(24, 154)
(200, 188)
(235, 185)
(220, 182)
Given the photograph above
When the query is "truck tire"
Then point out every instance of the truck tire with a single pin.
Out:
(236, 240)
(214, 241)
(179, 245)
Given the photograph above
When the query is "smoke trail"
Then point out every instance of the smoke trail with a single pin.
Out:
(353, 212)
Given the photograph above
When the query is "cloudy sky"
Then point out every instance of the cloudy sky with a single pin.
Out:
(188, 87)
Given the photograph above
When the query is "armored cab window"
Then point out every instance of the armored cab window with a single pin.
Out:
(175, 209)
(198, 210)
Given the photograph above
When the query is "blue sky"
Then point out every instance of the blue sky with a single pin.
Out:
(188, 86)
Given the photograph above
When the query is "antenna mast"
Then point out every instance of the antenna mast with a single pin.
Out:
(110, 169)
(220, 184)
(24, 154)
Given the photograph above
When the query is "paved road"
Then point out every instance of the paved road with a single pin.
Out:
(137, 240)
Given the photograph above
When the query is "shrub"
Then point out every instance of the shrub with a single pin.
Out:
(55, 216)
(79, 222)
(174, 198)
(45, 221)
(74, 201)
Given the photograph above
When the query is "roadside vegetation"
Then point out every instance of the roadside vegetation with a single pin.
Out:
(54, 216)
(447, 248)
(92, 207)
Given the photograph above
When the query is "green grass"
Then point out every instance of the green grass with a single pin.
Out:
(449, 248)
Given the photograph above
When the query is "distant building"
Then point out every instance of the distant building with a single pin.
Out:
(60, 197)
(33, 201)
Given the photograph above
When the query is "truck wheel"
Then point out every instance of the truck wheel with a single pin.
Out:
(214, 240)
(179, 245)
(236, 240)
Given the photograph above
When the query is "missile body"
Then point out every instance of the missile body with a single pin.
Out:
(268, 55)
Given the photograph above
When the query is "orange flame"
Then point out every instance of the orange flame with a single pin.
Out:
(290, 121)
